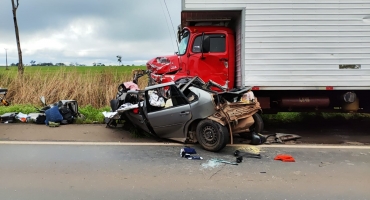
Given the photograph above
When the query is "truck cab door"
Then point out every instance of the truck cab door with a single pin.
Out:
(209, 58)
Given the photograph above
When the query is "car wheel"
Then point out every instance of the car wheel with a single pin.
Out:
(212, 136)
(257, 127)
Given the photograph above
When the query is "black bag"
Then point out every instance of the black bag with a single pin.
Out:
(8, 117)
(69, 110)
(40, 119)
(66, 113)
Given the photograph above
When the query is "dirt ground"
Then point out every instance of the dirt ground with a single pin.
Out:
(99, 133)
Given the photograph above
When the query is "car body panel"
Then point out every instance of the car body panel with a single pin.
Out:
(169, 123)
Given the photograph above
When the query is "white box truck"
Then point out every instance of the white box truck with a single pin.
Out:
(298, 55)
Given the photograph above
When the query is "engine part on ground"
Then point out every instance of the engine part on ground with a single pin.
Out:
(352, 107)
(304, 102)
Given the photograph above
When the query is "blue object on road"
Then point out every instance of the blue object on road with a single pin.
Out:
(187, 150)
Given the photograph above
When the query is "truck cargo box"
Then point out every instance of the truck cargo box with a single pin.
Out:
(294, 45)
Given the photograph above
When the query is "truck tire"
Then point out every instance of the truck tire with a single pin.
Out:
(257, 127)
(211, 135)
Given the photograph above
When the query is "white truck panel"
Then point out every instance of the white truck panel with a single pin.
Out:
(301, 43)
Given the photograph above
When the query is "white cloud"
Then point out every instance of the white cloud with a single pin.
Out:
(87, 32)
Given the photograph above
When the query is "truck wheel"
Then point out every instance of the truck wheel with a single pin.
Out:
(257, 127)
(211, 135)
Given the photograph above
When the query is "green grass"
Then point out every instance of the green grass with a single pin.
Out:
(92, 114)
(81, 69)
(311, 120)
(26, 109)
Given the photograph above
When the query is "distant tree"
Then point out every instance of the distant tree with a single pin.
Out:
(60, 64)
(119, 59)
(33, 63)
(20, 65)
(94, 64)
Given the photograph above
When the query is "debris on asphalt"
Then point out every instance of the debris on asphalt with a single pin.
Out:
(285, 158)
(188, 152)
(281, 138)
(224, 161)
(239, 159)
(251, 149)
(211, 164)
(238, 154)
(322, 164)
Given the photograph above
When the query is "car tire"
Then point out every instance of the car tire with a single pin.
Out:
(212, 136)
(257, 127)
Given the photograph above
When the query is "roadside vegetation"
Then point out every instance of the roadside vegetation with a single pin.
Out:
(313, 120)
(94, 87)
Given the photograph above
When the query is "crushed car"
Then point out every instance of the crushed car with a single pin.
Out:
(189, 111)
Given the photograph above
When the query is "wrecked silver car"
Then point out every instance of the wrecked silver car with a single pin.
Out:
(189, 111)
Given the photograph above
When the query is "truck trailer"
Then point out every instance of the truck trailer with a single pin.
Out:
(298, 55)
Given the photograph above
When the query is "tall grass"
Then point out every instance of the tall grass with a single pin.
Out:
(88, 87)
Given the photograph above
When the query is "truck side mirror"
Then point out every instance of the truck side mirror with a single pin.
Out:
(206, 45)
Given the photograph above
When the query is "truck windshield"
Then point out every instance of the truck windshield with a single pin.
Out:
(184, 42)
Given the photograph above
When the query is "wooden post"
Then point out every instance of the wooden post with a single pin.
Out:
(20, 63)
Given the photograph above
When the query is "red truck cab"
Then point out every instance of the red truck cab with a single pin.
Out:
(204, 51)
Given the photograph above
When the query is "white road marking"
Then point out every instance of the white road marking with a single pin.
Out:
(298, 146)
(312, 146)
(91, 143)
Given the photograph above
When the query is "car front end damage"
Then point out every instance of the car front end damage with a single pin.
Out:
(237, 116)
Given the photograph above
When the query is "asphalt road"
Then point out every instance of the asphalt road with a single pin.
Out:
(95, 172)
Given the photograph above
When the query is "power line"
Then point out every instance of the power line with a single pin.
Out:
(177, 42)
(168, 27)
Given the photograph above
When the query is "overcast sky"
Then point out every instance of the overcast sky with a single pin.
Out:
(87, 31)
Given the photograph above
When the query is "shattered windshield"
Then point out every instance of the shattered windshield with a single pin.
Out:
(184, 42)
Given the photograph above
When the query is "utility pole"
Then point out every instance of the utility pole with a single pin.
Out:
(6, 58)
(20, 63)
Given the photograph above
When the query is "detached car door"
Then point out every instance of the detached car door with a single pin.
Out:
(169, 121)
(136, 116)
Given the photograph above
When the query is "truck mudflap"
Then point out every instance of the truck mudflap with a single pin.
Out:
(236, 116)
